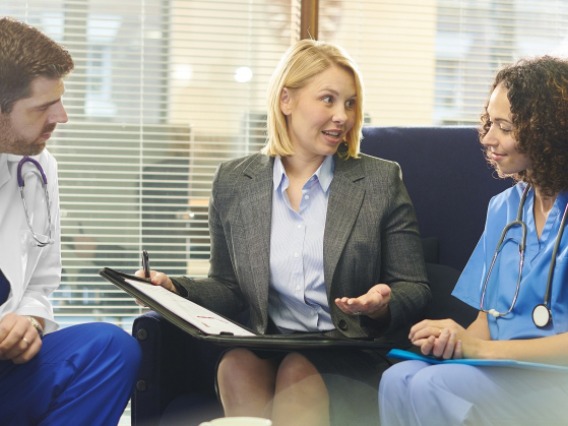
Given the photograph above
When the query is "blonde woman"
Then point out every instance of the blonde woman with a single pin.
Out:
(310, 236)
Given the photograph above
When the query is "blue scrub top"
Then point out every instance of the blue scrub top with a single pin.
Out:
(501, 286)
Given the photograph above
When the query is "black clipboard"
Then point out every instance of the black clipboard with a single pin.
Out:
(230, 337)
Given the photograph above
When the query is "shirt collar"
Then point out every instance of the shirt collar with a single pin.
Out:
(324, 173)
(5, 160)
(279, 174)
(561, 201)
(4, 169)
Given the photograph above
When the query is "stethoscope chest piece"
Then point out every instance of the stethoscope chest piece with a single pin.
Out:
(541, 315)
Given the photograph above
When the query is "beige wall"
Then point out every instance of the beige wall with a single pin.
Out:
(214, 104)
(393, 81)
(212, 101)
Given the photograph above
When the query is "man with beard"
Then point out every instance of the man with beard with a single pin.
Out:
(82, 374)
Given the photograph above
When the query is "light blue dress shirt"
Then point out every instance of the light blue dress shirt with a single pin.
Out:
(501, 286)
(298, 296)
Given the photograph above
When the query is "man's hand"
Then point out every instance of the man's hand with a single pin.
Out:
(19, 340)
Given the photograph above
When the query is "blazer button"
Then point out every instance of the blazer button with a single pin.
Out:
(342, 324)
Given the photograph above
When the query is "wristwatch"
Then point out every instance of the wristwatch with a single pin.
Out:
(37, 326)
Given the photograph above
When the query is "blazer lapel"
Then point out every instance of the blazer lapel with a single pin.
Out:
(345, 200)
(256, 213)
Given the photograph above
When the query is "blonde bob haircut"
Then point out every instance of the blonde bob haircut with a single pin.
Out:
(303, 61)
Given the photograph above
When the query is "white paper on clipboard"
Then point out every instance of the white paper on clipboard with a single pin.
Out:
(203, 324)
(207, 321)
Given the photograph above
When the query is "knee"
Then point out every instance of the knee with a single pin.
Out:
(110, 342)
(397, 381)
(418, 390)
(244, 379)
(98, 355)
(423, 381)
(116, 339)
(294, 369)
(239, 366)
(236, 361)
(393, 377)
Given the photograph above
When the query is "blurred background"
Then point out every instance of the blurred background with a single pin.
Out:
(164, 90)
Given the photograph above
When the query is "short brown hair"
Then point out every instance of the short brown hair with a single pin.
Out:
(27, 53)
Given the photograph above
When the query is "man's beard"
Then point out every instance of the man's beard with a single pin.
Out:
(11, 143)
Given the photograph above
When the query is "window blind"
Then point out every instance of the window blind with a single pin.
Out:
(162, 92)
(432, 61)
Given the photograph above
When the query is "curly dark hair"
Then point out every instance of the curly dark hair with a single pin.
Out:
(537, 90)
(27, 53)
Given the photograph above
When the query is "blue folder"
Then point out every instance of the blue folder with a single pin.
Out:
(408, 355)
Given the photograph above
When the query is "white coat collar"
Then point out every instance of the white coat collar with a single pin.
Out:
(5, 159)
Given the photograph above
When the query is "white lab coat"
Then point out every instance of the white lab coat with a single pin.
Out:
(34, 272)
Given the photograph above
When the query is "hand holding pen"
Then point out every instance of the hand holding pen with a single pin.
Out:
(145, 264)
(154, 277)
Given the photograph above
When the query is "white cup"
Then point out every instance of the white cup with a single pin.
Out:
(238, 421)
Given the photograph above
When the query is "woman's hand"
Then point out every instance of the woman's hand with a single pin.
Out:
(158, 278)
(440, 338)
(374, 303)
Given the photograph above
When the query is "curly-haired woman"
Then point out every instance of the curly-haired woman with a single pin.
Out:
(517, 275)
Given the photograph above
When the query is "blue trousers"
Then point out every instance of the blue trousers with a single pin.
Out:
(416, 393)
(83, 375)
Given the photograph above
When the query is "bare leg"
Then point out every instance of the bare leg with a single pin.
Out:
(246, 384)
(301, 395)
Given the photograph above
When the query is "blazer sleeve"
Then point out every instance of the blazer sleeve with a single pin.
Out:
(383, 246)
(220, 291)
(402, 260)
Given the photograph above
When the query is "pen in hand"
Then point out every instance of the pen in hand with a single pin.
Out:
(145, 264)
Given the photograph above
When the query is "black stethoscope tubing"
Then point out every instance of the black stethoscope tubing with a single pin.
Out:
(541, 314)
(41, 241)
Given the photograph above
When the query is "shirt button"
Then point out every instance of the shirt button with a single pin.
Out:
(296, 254)
(299, 226)
(307, 197)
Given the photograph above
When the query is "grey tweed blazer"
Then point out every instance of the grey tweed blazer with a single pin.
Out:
(371, 236)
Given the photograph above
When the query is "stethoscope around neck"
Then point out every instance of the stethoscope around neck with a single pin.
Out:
(541, 314)
(44, 239)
